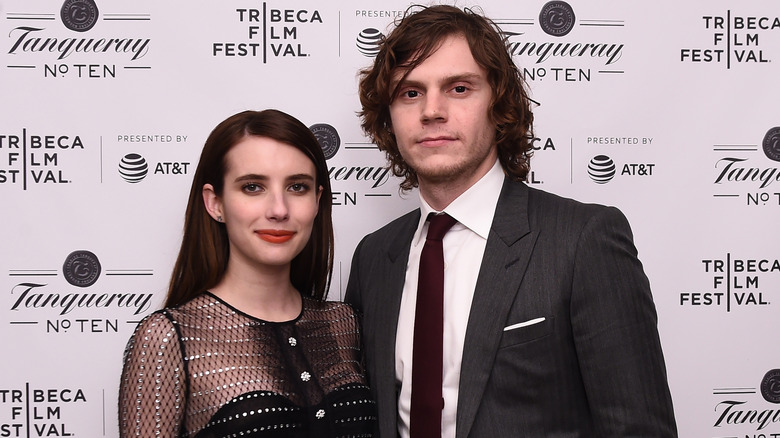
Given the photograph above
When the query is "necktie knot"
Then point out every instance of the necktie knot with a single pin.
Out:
(438, 225)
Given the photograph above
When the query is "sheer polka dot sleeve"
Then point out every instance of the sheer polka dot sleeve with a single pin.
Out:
(152, 390)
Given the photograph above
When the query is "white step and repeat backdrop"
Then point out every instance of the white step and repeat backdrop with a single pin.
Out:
(666, 109)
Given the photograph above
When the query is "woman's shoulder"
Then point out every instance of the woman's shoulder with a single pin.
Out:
(155, 331)
(330, 310)
(327, 305)
(166, 318)
(158, 323)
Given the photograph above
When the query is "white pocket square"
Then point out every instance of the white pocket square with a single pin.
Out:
(524, 324)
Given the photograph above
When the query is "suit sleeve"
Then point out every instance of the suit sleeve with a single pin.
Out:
(614, 324)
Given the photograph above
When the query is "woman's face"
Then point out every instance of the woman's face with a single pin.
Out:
(268, 204)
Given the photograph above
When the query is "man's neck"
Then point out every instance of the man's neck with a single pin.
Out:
(440, 194)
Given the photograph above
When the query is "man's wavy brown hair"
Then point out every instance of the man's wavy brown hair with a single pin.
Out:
(418, 35)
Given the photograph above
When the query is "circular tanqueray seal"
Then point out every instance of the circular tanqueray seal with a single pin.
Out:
(556, 18)
(328, 138)
(79, 15)
(771, 144)
(770, 386)
(81, 268)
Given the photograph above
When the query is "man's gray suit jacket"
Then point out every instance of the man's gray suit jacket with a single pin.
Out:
(592, 368)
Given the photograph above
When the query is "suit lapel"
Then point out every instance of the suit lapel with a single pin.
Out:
(507, 253)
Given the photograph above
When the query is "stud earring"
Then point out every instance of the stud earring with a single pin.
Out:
(219, 218)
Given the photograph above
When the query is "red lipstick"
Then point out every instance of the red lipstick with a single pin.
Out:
(275, 236)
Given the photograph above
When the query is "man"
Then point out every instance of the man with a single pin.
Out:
(549, 327)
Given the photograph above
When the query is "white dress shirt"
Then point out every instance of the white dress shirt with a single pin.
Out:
(464, 246)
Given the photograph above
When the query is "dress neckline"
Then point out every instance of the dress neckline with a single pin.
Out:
(254, 318)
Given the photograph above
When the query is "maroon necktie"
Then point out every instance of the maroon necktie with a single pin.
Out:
(427, 401)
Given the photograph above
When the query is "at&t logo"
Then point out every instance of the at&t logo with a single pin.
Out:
(368, 42)
(602, 169)
(133, 168)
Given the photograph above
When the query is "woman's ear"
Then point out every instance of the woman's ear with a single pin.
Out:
(212, 203)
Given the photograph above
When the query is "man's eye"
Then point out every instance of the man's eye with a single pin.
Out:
(460, 89)
(411, 93)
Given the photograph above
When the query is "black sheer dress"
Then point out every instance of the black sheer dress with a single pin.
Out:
(205, 369)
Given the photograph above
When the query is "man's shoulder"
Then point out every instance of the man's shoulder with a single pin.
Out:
(546, 205)
(404, 224)
(392, 237)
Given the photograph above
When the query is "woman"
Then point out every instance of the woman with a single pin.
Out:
(245, 345)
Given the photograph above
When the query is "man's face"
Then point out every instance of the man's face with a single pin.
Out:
(440, 118)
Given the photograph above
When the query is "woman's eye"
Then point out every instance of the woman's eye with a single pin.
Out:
(252, 188)
(299, 187)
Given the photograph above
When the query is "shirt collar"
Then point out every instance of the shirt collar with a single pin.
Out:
(474, 209)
